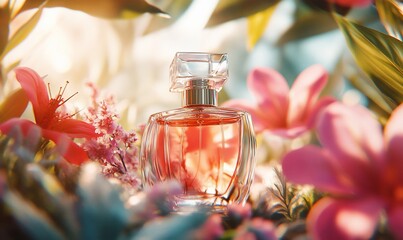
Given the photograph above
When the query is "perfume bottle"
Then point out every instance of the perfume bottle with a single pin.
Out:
(209, 150)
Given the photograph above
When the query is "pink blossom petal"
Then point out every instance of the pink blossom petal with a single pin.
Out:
(75, 128)
(394, 139)
(211, 229)
(354, 137)
(312, 165)
(289, 132)
(24, 124)
(316, 110)
(304, 93)
(394, 126)
(271, 92)
(344, 219)
(35, 89)
(72, 152)
(395, 219)
(260, 121)
(240, 212)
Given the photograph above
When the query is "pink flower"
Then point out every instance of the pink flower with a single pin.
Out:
(56, 125)
(211, 229)
(279, 109)
(360, 168)
(240, 212)
(352, 3)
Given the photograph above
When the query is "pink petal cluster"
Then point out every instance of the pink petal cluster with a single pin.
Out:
(115, 148)
(360, 167)
(279, 109)
(250, 227)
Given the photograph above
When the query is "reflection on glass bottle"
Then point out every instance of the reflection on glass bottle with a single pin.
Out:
(210, 150)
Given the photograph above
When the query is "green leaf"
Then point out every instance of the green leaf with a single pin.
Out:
(4, 25)
(391, 16)
(175, 9)
(13, 105)
(307, 26)
(22, 32)
(32, 220)
(101, 211)
(175, 227)
(227, 10)
(378, 102)
(328, 6)
(55, 200)
(104, 8)
(378, 55)
(257, 24)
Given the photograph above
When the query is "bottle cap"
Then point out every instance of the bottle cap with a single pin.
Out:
(198, 70)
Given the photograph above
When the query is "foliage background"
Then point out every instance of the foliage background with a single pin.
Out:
(125, 47)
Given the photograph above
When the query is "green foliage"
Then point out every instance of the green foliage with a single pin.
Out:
(391, 16)
(257, 24)
(173, 227)
(43, 205)
(288, 203)
(32, 220)
(4, 26)
(227, 10)
(105, 8)
(13, 105)
(327, 6)
(379, 56)
(175, 9)
(307, 26)
(101, 210)
(22, 32)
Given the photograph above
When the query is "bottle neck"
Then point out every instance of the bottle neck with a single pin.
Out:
(199, 96)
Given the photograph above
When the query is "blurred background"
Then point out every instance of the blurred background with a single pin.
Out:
(130, 58)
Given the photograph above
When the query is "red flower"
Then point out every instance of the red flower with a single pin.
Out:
(56, 125)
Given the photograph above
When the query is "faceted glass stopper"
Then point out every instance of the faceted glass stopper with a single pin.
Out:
(198, 70)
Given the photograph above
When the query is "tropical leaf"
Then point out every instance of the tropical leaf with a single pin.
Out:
(22, 32)
(378, 103)
(307, 26)
(35, 222)
(175, 9)
(104, 8)
(15, 7)
(378, 55)
(4, 25)
(96, 193)
(391, 16)
(227, 10)
(13, 105)
(55, 200)
(257, 24)
(174, 227)
(327, 6)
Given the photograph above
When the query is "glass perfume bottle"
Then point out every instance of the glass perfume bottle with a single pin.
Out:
(209, 150)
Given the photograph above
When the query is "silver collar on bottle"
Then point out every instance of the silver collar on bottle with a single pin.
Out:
(199, 92)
